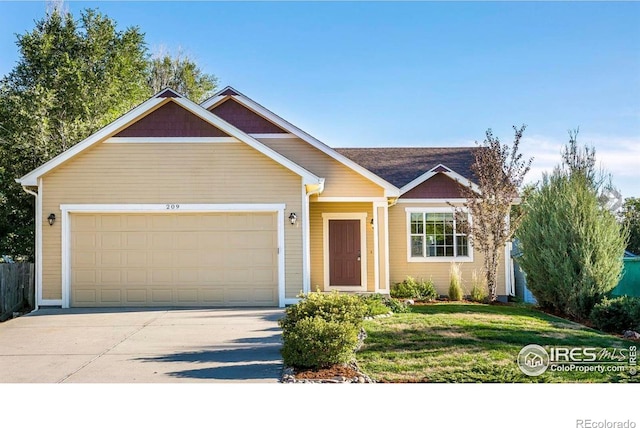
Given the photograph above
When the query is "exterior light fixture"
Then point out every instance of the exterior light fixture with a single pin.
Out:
(373, 226)
(293, 218)
(52, 219)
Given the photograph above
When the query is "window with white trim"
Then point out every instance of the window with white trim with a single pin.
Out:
(438, 235)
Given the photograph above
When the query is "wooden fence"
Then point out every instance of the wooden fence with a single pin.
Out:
(17, 288)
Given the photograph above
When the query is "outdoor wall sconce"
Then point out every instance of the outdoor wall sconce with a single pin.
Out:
(373, 226)
(293, 218)
(52, 219)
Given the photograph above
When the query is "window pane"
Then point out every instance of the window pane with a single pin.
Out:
(417, 225)
(448, 251)
(463, 246)
(416, 246)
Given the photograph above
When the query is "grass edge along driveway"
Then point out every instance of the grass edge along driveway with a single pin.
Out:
(466, 342)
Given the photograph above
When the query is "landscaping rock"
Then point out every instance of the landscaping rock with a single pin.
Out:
(410, 302)
(630, 334)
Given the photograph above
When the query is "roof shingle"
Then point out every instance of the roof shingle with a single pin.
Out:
(401, 165)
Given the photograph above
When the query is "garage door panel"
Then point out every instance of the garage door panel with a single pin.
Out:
(135, 222)
(187, 295)
(109, 240)
(85, 241)
(86, 223)
(187, 241)
(264, 257)
(84, 277)
(263, 295)
(136, 259)
(190, 276)
(264, 276)
(213, 259)
(239, 296)
(161, 296)
(86, 297)
(136, 296)
(135, 240)
(136, 276)
(109, 259)
(213, 277)
(162, 276)
(109, 276)
(264, 222)
(110, 296)
(212, 296)
(84, 259)
(161, 240)
(109, 222)
(160, 258)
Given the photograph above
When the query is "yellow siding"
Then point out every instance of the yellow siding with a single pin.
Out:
(317, 241)
(169, 173)
(339, 179)
(399, 267)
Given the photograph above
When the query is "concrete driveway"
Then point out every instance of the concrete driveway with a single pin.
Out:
(142, 345)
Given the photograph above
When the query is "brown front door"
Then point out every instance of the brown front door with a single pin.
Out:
(344, 252)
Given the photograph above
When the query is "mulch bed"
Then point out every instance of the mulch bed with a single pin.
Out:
(326, 373)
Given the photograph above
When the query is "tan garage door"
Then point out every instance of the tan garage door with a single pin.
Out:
(190, 259)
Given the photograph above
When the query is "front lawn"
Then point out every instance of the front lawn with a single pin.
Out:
(465, 342)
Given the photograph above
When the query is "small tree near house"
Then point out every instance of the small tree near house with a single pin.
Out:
(499, 173)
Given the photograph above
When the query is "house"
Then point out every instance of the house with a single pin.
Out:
(227, 204)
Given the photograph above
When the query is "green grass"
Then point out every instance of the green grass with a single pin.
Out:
(466, 342)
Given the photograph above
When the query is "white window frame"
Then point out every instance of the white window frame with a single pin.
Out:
(435, 259)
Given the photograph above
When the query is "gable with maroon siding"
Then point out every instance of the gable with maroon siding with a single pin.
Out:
(244, 119)
(171, 120)
(439, 186)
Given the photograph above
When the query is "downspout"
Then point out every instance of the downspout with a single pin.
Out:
(35, 298)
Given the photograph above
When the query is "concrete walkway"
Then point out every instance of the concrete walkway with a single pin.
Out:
(142, 345)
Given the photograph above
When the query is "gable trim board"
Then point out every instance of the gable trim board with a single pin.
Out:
(170, 140)
(69, 209)
(146, 108)
(389, 189)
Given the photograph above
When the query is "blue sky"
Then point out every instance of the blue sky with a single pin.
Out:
(414, 73)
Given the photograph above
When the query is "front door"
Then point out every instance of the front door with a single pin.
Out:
(344, 252)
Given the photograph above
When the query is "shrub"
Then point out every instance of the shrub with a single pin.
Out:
(616, 315)
(455, 283)
(314, 342)
(397, 306)
(376, 304)
(380, 304)
(426, 291)
(342, 308)
(571, 247)
(412, 289)
(322, 329)
(405, 289)
(479, 291)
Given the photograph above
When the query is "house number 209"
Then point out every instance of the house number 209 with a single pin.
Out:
(172, 206)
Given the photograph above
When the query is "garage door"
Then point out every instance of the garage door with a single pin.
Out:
(189, 259)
